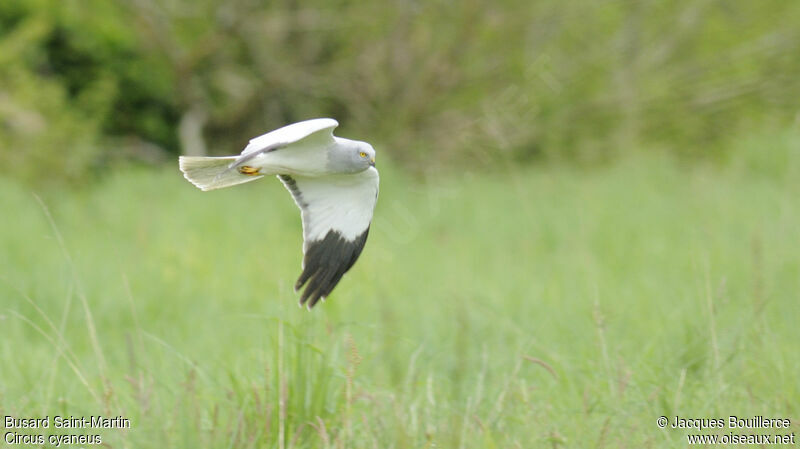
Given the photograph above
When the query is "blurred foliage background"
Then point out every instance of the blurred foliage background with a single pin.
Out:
(540, 304)
(89, 83)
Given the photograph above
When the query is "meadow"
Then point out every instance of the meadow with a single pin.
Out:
(545, 306)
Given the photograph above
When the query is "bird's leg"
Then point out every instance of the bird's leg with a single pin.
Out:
(249, 171)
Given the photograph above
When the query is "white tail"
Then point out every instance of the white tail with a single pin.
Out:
(209, 173)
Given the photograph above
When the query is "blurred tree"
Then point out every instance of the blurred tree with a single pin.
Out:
(83, 83)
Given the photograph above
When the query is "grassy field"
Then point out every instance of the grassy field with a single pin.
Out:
(549, 307)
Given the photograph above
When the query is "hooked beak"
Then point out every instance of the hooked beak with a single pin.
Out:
(372, 162)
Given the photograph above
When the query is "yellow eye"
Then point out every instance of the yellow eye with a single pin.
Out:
(362, 154)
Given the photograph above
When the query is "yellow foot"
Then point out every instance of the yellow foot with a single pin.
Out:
(249, 171)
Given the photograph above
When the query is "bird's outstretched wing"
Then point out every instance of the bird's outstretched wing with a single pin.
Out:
(318, 132)
(337, 211)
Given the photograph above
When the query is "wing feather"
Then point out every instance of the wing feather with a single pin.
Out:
(320, 129)
(336, 212)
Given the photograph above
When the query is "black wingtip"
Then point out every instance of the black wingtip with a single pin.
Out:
(325, 262)
(310, 301)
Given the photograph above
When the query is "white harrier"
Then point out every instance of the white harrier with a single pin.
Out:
(333, 181)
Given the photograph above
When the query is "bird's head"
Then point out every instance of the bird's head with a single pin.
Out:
(351, 157)
(366, 153)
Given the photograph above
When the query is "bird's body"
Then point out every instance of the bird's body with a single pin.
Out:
(332, 180)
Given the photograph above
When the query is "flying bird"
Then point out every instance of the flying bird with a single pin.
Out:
(333, 181)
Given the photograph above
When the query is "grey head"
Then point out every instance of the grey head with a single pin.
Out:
(350, 156)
